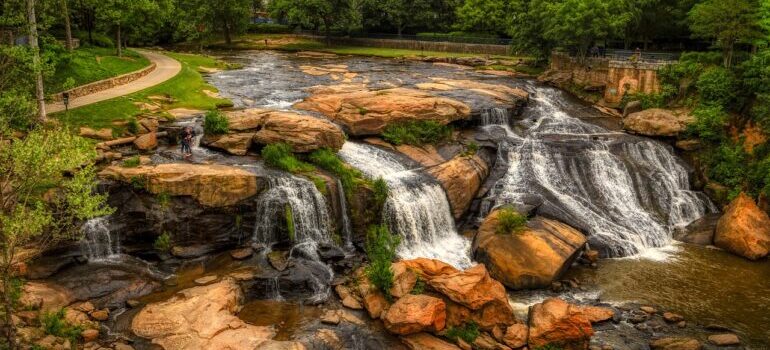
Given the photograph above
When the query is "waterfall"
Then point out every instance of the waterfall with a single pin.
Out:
(98, 243)
(274, 289)
(628, 193)
(347, 231)
(417, 207)
(495, 116)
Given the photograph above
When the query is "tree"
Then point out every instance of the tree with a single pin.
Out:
(33, 44)
(580, 23)
(117, 13)
(492, 16)
(202, 17)
(67, 28)
(39, 203)
(312, 13)
(728, 22)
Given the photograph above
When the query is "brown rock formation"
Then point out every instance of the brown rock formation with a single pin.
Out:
(415, 313)
(501, 93)
(556, 322)
(744, 229)
(461, 178)
(425, 341)
(656, 122)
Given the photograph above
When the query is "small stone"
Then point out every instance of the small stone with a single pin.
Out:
(205, 280)
(330, 317)
(86, 307)
(648, 309)
(637, 318)
(556, 287)
(101, 315)
(121, 346)
(240, 254)
(350, 318)
(242, 275)
(132, 303)
(672, 317)
(725, 339)
(89, 335)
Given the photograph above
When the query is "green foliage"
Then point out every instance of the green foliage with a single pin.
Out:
(710, 123)
(89, 64)
(328, 160)
(97, 39)
(132, 125)
(728, 165)
(215, 123)
(17, 110)
(269, 28)
(510, 221)
(417, 133)
(727, 21)
(164, 199)
(381, 248)
(132, 162)
(163, 242)
(380, 188)
(138, 182)
(279, 155)
(289, 216)
(419, 287)
(53, 323)
(470, 149)
(717, 86)
(467, 332)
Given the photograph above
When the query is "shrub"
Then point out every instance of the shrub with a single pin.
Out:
(709, 123)
(98, 39)
(163, 242)
(215, 123)
(471, 149)
(328, 160)
(727, 164)
(279, 155)
(717, 86)
(419, 287)
(510, 221)
(132, 125)
(53, 323)
(132, 162)
(381, 250)
(138, 182)
(380, 188)
(164, 199)
(467, 332)
(417, 133)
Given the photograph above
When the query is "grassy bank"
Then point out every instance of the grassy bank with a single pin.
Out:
(185, 90)
(90, 64)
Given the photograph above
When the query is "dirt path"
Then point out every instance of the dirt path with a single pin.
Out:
(166, 68)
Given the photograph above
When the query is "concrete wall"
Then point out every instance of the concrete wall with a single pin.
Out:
(442, 46)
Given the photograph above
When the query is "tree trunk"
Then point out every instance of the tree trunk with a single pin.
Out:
(119, 42)
(33, 44)
(67, 27)
(10, 335)
(228, 39)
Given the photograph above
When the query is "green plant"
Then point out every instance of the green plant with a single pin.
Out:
(510, 221)
(164, 199)
(132, 162)
(279, 155)
(467, 332)
(215, 123)
(417, 132)
(419, 287)
(289, 215)
(328, 160)
(381, 248)
(53, 323)
(470, 149)
(717, 86)
(380, 188)
(163, 242)
(132, 125)
(727, 164)
(138, 182)
(710, 123)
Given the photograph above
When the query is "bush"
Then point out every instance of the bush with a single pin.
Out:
(17, 109)
(132, 125)
(710, 122)
(53, 323)
(380, 188)
(132, 162)
(99, 39)
(328, 160)
(510, 221)
(417, 133)
(717, 86)
(215, 123)
(279, 155)
(467, 332)
(728, 165)
(419, 287)
(163, 242)
(381, 250)
(471, 149)
(269, 28)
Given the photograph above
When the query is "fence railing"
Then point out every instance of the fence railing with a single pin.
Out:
(421, 37)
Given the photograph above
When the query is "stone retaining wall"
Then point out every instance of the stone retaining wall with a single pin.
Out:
(105, 84)
(441, 46)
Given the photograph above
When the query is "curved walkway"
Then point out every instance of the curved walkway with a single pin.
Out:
(165, 69)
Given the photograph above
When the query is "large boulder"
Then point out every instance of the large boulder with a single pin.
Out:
(146, 142)
(303, 133)
(461, 178)
(211, 185)
(415, 313)
(657, 122)
(532, 258)
(369, 112)
(556, 322)
(203, 318)
(744, 229)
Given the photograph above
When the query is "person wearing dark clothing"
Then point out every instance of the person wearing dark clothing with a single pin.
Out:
(187, 138)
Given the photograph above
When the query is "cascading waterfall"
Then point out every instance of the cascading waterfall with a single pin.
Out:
(626, 192)
(98, 242)
(347, 231)
(495, 116)
(417, 208)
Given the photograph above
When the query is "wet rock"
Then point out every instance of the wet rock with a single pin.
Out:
(473, 287)
(516, 335)
(648, 309)
(101, 315)
(744, 229)
(426, 155)
(373, 300)
(132, 303)
(146, 142)
(700, 232)
(367, 112)
(349, 299)
(234, 143)
(675, 343)
(672, 317)
(278, 259)
(403, 281)
(556, 321)
(461, 178)
(463, 345)
(241, 254)
(89, 335)
(425, 341)
(533, 258)
(717, 328)
(330, 317)
(211, 185)
(330, 339)
(592, 255)
(415, 313)
(726, 339)
(205, 280)
(656, 122)
(101, 134)
(45, 296)
(596, 314)
(192, 251)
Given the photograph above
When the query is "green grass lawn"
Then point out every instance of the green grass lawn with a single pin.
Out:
(185, 91)
(89, 64)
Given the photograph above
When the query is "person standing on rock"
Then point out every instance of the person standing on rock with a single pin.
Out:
(187, 138)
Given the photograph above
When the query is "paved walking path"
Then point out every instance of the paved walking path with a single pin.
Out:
(165, 69)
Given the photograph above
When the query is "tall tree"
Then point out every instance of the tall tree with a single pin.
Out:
(67, 26)
(33, 44)
(491, 16)
(317, 14)
(728, 22)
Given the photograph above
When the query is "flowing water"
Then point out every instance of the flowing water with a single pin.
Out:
(417, 207)
(98, 242)
(627, 193)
